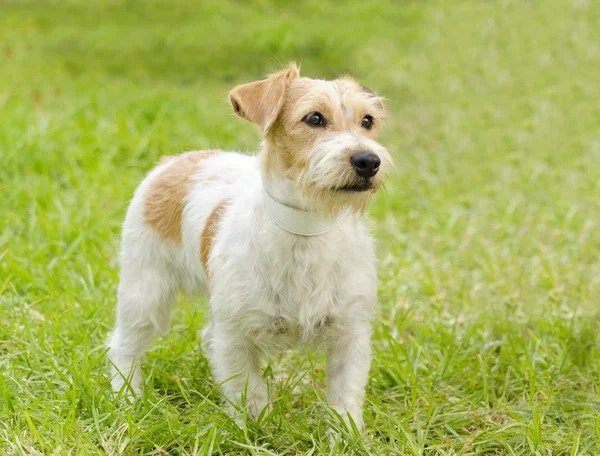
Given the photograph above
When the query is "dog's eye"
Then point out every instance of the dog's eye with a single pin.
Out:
(367, 122)
(315, 119)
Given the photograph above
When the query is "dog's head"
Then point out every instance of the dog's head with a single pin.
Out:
(319, 134)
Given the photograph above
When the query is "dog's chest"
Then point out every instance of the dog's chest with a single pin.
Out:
(301, 291)
(284, 290)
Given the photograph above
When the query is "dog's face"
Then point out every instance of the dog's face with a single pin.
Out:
(320, 134)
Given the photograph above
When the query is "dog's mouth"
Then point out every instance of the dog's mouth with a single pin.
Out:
(362, 186)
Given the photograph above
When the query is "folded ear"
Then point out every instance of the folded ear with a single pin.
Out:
(261, 101)
(376, 99)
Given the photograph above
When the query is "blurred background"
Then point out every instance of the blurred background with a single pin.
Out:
(488, 229)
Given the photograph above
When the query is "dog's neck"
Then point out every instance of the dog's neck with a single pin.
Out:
(284, 191)
(287, 208)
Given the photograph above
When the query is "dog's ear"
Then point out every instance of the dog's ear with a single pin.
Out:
(374, 97)
(261, 101)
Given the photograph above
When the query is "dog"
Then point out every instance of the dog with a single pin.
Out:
(277, 240)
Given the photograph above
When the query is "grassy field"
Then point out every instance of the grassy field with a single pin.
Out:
(487, 339)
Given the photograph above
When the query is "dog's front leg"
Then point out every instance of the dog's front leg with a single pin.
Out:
(348, 362)
(236, 366)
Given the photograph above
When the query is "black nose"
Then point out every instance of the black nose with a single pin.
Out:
(366, 164)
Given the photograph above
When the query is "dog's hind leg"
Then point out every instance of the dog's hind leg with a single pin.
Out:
(144, 303)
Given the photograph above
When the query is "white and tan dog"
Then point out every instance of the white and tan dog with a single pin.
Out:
(277, 240)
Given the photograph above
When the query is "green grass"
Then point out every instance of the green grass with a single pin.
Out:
(487, 336)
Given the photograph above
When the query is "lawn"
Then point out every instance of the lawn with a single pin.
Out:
(487, 338)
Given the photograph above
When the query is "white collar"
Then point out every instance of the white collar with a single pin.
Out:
(298, 221)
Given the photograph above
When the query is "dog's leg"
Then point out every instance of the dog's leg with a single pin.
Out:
(235, 362)
(348, 362)
(143, 308)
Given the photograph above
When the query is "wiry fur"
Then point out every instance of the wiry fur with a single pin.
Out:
(268, 289)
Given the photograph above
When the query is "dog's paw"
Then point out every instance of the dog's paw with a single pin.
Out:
(256, 404)
(127, 390)
(352, 418)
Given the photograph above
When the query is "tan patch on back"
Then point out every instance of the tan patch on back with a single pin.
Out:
(164, 201)
(210, 231)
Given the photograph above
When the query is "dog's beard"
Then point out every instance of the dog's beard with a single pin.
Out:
(358, 185)
(336, 202)
(337, 196)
